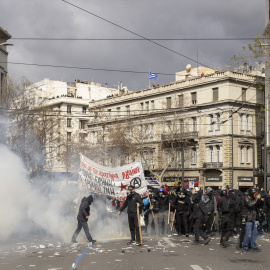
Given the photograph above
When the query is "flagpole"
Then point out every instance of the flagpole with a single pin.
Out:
(149, 78)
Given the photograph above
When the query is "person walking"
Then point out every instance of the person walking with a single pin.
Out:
(249, 215)
(132, 202)
(82, 218)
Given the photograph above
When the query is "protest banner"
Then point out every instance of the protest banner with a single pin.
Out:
(111, 181)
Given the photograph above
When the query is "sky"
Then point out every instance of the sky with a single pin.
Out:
(159, 19)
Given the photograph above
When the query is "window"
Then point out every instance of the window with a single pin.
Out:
(211, 153)
(244, 94)
(249, 122)
(168, 126)
(82, 124)
(82, 137)
(211, 122)
(69, 122)
(169, 102)
(84, 109)
(94, 137)
(128, 109)
(218, 153)
(118, 109)
(215, 94)
(142, 106)
(242, 124)
(109, 113)
(247, 154)
(69, 108)
(194, 98)
(242, 154)
(69, 136)
(147, 106)
(194, 156)
(152, 104)
(181, 126)
(218, 121)
(181, 101)
(194, 124)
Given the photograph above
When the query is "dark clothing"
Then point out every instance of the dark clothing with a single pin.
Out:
(227, 225)
(131, 204)
(84, 209)
(249, 211)
(198, 229)
(163, 203)
(134, 227)
(199, 210)
(84, 225)
(181, 218)
(181, 205)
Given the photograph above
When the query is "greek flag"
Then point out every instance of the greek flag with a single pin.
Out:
(153, 75)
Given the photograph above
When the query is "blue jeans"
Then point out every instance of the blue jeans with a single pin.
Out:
(250, 235)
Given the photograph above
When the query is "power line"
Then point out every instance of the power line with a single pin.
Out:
(132, 32)
(128, 39)
(109, 70)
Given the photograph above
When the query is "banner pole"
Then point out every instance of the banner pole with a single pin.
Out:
(173, 219)
(139, 224)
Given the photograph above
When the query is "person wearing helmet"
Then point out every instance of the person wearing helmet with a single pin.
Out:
(249, 215)
(82, 218)
(226, 213)
(181, 205)
(153, 211)
(162, 216)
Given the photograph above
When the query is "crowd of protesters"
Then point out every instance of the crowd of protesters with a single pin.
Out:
(192, 212)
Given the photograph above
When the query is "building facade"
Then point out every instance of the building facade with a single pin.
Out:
(267, 92)
(4, 37)
(206, 130)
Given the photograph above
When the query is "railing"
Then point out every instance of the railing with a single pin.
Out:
(213, 164)
(180, 136)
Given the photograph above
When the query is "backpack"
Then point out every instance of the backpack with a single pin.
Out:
(225, 205)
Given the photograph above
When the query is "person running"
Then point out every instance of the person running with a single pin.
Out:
(82, 218)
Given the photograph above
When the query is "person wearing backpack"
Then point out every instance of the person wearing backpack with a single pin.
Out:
(227, 207)
(211, 205)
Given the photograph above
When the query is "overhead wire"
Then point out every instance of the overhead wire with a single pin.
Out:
(132, 32)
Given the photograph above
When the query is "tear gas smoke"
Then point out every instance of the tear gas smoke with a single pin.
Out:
(32, 209)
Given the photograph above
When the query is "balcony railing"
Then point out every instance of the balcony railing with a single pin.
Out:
(180, 136)
(213, 164)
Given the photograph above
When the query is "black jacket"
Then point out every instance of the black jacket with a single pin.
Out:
(131, 204)
(249, 210)
(181, 205)
(84, 209)
(163, 203)
(227, 206)
(199, 210)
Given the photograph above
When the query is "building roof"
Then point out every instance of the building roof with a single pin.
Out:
(4, 34)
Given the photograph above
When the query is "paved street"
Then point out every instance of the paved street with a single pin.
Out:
(172, 252)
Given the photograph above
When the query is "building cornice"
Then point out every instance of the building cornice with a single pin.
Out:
(179, 85)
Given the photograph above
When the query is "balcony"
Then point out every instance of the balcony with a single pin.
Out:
(179, 136)
(212, 165)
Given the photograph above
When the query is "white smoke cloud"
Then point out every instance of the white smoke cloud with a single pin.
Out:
(31, 209)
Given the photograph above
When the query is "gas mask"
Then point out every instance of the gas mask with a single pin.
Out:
(161, 195)
(129, 193)
(181, 196)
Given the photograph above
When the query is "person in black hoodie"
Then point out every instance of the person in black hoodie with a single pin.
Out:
(199, 216)
(227, 208)
(83, 216)
(133, 200)
(181, 205)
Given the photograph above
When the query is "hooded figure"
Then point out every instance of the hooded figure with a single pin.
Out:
(211, 205)
(82, 218)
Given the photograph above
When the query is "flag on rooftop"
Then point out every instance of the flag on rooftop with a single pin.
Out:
(153, 75)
